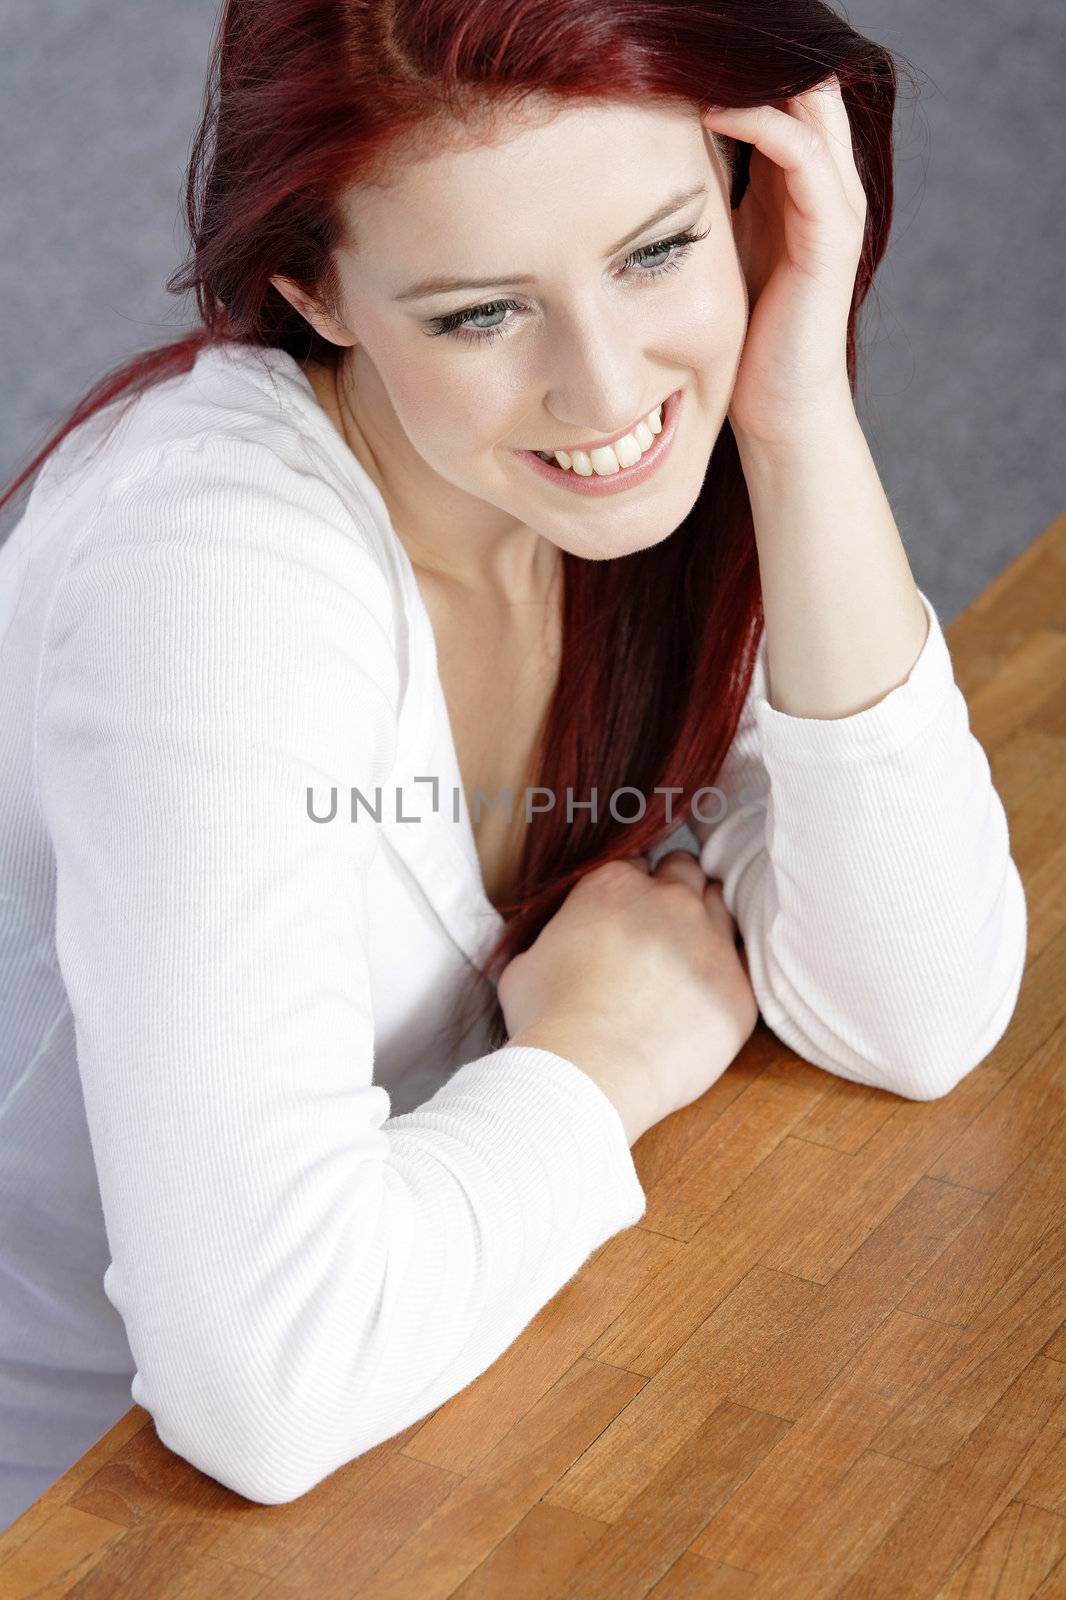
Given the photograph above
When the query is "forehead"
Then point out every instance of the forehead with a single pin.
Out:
(507, 167)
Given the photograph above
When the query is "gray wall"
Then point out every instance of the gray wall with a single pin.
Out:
(963, 402)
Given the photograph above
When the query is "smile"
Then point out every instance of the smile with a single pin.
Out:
(623, 464)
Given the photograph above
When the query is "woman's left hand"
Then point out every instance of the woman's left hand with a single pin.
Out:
(799, 233)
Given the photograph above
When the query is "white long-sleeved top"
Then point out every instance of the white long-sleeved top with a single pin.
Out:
(241, 1183)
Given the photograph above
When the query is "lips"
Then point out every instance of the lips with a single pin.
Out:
(590, 445)
(599, 484)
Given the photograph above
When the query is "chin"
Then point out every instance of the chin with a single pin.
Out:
(611, 546)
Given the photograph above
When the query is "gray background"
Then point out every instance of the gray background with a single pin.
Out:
(962, 400)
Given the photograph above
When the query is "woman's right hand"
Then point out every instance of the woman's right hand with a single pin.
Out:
(644, 965)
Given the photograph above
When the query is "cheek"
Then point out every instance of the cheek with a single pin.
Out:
(443, 405)
(710, 325)
(435, 404)
(400, 382)
(454, 413)
(464, 404)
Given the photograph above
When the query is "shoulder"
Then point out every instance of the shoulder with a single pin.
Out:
(218, 578)
(238, 411)
(229, 459)
(231, 392)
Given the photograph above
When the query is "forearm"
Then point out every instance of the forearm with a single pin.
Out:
(844, 620)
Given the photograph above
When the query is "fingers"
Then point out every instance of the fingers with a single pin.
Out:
(683, 867)
(796, 141)
(716, 908)
(823, 107)
(790, 143)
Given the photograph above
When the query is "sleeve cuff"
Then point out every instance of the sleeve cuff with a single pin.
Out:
(590, 1167)
(896, 719)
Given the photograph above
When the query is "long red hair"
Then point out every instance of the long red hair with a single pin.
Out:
(307, 97)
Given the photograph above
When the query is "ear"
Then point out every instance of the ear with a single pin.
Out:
(328, 327)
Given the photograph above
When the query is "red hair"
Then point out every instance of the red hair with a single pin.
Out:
(307, 97)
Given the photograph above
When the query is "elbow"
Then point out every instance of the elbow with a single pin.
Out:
(923, 1052)
(267, 1429)
(256, 1456)
(270, 1487)
(951, 1059)
(263, 1459)
(932, 1070)
(934, 1077)
(927, 1070)
(914, 1057)
(260, 1432)
(265, 1472)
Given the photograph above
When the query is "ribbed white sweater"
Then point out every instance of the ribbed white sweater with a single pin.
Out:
(240, 1182)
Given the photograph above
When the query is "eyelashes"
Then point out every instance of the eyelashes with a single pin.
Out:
(678, 244)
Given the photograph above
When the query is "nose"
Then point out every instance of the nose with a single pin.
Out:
(604, 384)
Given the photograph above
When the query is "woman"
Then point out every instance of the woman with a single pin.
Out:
(516, 453)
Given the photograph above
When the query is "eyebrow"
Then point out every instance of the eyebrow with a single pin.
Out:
(445, 285)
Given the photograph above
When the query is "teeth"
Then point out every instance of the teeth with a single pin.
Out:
(608, 458)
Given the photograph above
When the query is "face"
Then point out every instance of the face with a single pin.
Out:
(597, 301)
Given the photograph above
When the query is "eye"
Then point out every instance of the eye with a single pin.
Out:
(677, 248)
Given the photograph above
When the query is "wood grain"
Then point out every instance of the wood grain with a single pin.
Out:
(829, 1362)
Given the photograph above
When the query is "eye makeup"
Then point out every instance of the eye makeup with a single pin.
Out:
(679, 245)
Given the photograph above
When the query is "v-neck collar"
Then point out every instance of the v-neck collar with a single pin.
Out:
(441, 853)
(441, 848)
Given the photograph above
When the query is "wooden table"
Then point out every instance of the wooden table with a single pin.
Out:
(831, 1359)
